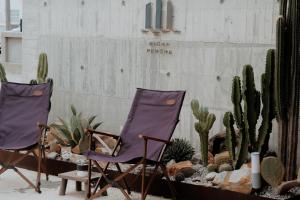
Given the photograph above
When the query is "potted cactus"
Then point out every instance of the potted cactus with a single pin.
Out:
(73, 133)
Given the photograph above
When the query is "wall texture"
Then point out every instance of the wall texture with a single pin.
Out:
(98, 54)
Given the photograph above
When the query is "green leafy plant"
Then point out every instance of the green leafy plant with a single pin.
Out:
(204, 124)
(73, 133)
(179, 150)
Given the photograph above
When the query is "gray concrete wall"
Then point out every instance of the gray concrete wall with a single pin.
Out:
(98, 53)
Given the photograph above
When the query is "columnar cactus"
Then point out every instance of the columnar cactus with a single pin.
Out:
(2, 74)
(246, 119)
(204, 124)
(251, 98)
(42, 68)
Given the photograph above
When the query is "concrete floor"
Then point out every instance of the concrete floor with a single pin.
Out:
(12, 187)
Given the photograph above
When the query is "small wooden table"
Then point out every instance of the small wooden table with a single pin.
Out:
(72, 175)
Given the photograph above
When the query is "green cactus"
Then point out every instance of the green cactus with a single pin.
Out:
(2, 74)
(204, 124)
(251, 98)
(230, 139)
(268, 110)
(73, 133)
(42, 71)
(236, 98)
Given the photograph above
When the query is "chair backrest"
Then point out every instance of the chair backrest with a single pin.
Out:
(155, 114)
(22, 107)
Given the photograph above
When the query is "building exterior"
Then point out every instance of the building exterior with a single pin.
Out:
(99, 51)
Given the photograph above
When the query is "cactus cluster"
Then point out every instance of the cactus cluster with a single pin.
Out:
(246, 118)
(73, 133)
(2, 74)
(202, 126)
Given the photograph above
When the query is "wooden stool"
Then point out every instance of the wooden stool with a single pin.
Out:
(72, 175)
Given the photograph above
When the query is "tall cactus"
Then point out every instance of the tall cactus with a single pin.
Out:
(251, 99)
(204, 124)
(287, 83)
(2, 74)
(268, 110)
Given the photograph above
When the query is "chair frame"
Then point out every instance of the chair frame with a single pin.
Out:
(114, 183)
(40, 146)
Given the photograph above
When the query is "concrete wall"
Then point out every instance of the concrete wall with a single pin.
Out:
(98, 54)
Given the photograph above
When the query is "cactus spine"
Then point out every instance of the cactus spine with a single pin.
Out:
(204, 124)
(2, 74)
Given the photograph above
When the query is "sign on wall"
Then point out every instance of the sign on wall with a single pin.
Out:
(159, 18)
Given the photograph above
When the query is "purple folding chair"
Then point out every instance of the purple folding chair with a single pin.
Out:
(148, 129)
(24, 109)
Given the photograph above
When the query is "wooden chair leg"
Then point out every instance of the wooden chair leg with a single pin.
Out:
(124, 179)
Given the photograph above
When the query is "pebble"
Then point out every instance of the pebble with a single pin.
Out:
(210, 176)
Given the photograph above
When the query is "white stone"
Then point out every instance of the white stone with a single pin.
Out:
(210, 176)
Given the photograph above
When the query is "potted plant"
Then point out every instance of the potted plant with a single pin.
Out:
(72, 134)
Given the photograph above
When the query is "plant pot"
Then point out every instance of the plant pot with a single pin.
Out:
(82, 170)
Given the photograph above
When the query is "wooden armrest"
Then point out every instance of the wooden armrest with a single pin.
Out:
(154, 139)
(43, 126)
(90, 131)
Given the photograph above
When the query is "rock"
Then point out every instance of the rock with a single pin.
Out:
(222, 158)
(225, 167)
(173, 168)
(211, 159)
(237, 180)
(212, 167)
(272, 171)
(286, 186)
(196, 158)
(187, 172)
(217, 143)
(210, 176)
(171, 162)
(179, 177)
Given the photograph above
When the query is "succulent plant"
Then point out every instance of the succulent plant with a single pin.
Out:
(73, 133)
(2, 74)
(204, 124)
(272, 170)
(212, 167)
(179, 150)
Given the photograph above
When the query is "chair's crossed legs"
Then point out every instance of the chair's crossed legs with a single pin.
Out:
(114, 182)
(11, 163)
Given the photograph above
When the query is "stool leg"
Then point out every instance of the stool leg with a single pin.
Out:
(63, 186)
(86, 190)
(78, 186)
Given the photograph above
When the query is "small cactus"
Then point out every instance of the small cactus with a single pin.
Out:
(42, 68)
(2, 74)
(230, 139)
(272, 170)
(179, 150)
(204, 124)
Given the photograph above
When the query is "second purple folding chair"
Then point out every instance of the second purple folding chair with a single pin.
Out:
(148, 129)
